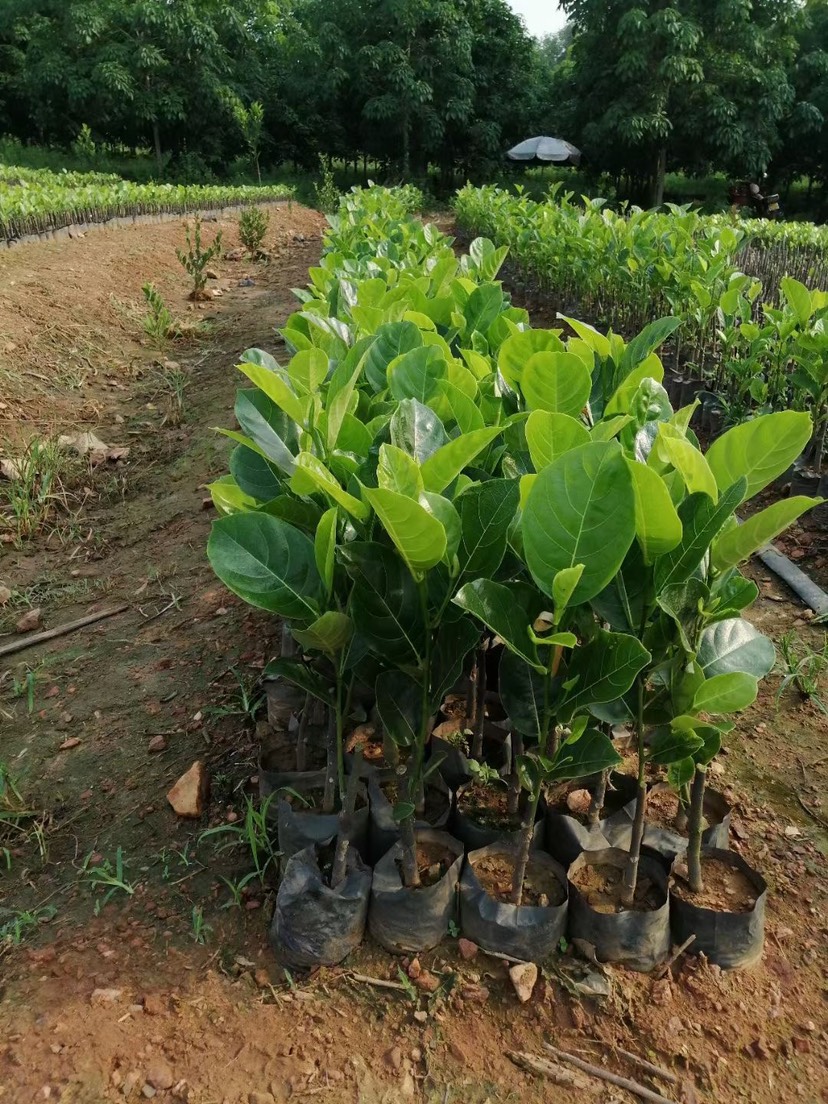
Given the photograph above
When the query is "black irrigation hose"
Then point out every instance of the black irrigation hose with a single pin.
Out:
(804, 587)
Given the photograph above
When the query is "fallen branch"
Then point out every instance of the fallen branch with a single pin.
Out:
(677, 953)
(650, 1067)
(814, 816)
(381, 983)
(61, 630)
(611, 1078)
(561, 1076)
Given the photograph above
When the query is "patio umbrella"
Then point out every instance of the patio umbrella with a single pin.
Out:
(545, 150)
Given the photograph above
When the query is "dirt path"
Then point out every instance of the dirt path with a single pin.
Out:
(168, 988)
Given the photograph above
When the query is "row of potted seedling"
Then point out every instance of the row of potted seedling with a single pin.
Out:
(430, 485)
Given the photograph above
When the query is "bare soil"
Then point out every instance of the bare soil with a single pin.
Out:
(726, 889)
(601, 885)
(221, 1014)
(540, 886)
(489, 806)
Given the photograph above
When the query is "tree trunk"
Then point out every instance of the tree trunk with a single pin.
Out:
(597, 803)
(346, 820)
(410, 873)
(524, 849)
(694, 871)
(657, 193)
(631, 871)
(156, 141)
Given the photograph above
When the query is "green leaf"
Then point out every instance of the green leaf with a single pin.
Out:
(734, 646)
(393, 339)
(324, 547)
(671, 745)
(482, 307)
(418, 536)
(657, 524)
(680, 773)
(673, 448)
(443, 466)
(740, 542)
(415, 374)
(267, 427)
(453, 405)
(268, 563)
(760, 449)
(398, 471)
(311, 475)
(726, 693)
(580, 510)
(486, 512)
(453, 640)
(277, 391)
(402, 811)
(564, 586)
(228, 497)
(701, 520)
(520, 347)
(550, 435)
(651, 338)
(338, 401)
(329, 633)
(590, 754)
(297, 672)
(521, 689)
(399, 704)
(308, 370)
(621, 602)
(443, 510)
(385, 603)
(797, 297)
(255, 474)
(556, 382)
(509, 611)
(683, 602)
(603, 670)
(417, 430)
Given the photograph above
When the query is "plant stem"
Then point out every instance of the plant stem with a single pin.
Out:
(411, 875)
(414, 790)
(329, 797)
(514, 777)
(524, 848)
(550, 731)
(302, 736)
(598, 796)
(631, 871)
(340, 741)
(695, 829)
(346, 822)
(479, 705)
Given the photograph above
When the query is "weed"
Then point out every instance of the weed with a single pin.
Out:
(253, 224)
(200, 929)
(18, 823)
(196, 259)
(25, 686)
(107, 876)
(453, 929)
(15, 928)
(168, 855)
(246, 702)
(408, 985)
(804, 668)
(173, 382)
(326, 191)
(158, 324)
(36, 483)
(254, 834)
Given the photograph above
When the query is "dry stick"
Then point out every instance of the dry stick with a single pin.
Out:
(346, 820)
(677, 953)
(62, 630)
(611, 1078)
(814, 816)
(381, 983)
(650, 1067)
(558, 1074)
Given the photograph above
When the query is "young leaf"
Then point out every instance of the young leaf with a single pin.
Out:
(740, 542)
(550, 435)
(415, 374)
(657, 524)
(736, 646)
(508, 611)
(591, 753)
(418, 536)
(329, 633)
(760, 449)
(308, 370)
(556, 382)
(486, 512)
(520, 347)
(417, 430)
(311, 475)
(444, 465)
(393, 339)
(398, 471)
(602, 671)
(671, 745)
(581, 510)
(277, 391)
(701, 520)
(726, 693)
(268, 563)
(385, 603)
(324, 547)
(673, 448)
(563, 587)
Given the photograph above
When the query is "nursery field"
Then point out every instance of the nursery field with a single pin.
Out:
(402, 514)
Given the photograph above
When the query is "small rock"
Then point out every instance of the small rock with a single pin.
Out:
(428, 982)
(792, 832)
(5, 594)
(105, 996)
(408, 1088)
(661, 993)
(414, 969)
(467, 949)
(30, 620)
(523, 978)
(416, 1054)
(159, 1074)
(420, 1016)
(394, 1057)
(475, 994)
(211, 274)
(801, 1046)
(157, 743)
(130, 1081)
(148, 1091)
(189, 794)
(262, 979)
(67, 745)
(579, 801)
(52, 692)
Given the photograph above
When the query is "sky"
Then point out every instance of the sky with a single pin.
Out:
(541, 16)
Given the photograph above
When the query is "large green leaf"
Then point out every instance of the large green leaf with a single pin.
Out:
(277, 391)
(726, 693)
(393, 339)
(329, 633)
(517, 350)
(228, 497)
(521, 689)
(486, 512)
(311, 475)
(701, 520)
(415, 374)
(340, 390)
(268, 427)
(453, 405)
(300, 674)
(590, 754)
(551, 435)
(400, 707)
(453, 640)
(683, 602)
(556, 382)
(760, 449)
(509, 611)
(673, 745)
(255, 474)
(621, 602)
(672, 447)
(417, 430)
(444, 465)
(308, 370)
(580, 510)
(324, 548)
(650, 338)
(740, 542)
(798, 298)
(385, 603)
(603, 670)
(268, 563)
(398, 471)
(657, 524)
(482, 307)
(443, 510)
(418, 536)
(735, 645)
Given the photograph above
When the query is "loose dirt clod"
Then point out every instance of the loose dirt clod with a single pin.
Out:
(29, 621)
(523, 978)
(189, 794)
